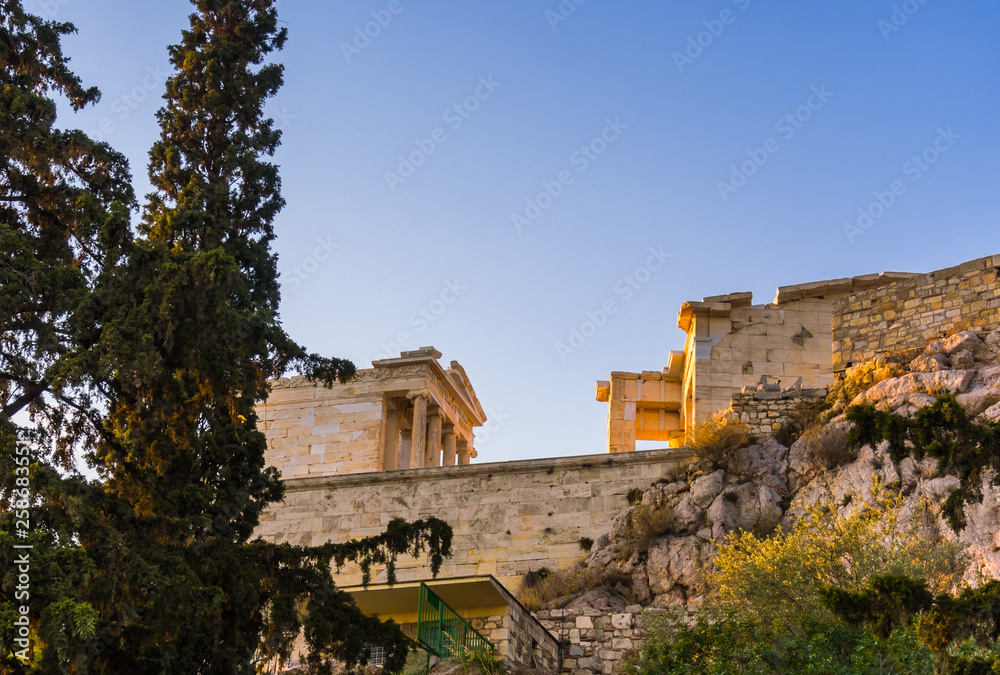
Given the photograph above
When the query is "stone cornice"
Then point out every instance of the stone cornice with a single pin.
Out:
(489, 469)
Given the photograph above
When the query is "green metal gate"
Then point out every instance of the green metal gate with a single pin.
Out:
(443, 631)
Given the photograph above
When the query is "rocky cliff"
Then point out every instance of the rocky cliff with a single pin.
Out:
(656, 550)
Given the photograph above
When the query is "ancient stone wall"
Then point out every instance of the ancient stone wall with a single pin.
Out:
(523, 642)
(508, 517)
(768, 409)
(595, 641)
(910, 313)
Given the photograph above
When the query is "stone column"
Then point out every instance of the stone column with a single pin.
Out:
(390, 441)
(621, 412)
(418, 446)
(433, 457)
(405, 449)
(450, 448)
(463, 452)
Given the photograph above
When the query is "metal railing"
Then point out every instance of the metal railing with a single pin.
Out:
(443, 631)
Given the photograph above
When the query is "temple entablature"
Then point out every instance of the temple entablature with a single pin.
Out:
(403, 413)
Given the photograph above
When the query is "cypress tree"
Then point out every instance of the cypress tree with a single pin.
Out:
(184, 339)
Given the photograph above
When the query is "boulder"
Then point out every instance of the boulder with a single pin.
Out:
(599, 599)
(937, 490)
(601, 542)
(705, 489)
(909, 474)
(929, 363)
(979, 399)
(963, 360)
(935, 347)
(993, 340)
(965, 340)
(687, 514)
(722, 516)
(621, 524)
(674, 561)
(991, 414)
(767, 458)
(892, 393)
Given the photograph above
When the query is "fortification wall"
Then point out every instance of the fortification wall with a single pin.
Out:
(909, 313)
(508, 517)
(594, 641)
(767, 409)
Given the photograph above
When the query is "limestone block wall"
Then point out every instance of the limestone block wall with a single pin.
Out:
(508, 517)
(909, 313)
(767, 409)
(520, 640)
(595, 641)
(311, 430)
(784, 342)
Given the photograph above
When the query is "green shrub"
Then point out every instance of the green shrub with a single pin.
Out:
(633, 496)
(482, 663)
(586, 543)
(732, 644)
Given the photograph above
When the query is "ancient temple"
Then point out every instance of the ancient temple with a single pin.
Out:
(733, 344)
(403, 413)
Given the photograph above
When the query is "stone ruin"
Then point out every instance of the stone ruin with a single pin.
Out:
(403, 413)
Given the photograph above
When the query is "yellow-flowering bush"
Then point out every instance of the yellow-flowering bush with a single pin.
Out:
(776, 578)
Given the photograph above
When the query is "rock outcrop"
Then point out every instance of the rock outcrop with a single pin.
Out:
(658, 549)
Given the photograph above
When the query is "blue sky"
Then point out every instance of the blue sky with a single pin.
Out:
(488, 177)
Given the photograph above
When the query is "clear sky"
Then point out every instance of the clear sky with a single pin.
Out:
(602, 155)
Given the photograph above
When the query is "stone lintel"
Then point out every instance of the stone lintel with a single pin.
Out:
(602, 390)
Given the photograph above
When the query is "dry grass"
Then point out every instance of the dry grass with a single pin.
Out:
(827, 446)
(715, 439)
(863, 377)
(646, 525)
(560, 588)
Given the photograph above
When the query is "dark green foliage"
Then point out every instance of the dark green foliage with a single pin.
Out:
(586, 543)
(730, 644)
(144, 357)
(633, 496)
(890, 602)
(971, 619)
(532, 577)
(942, 431)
